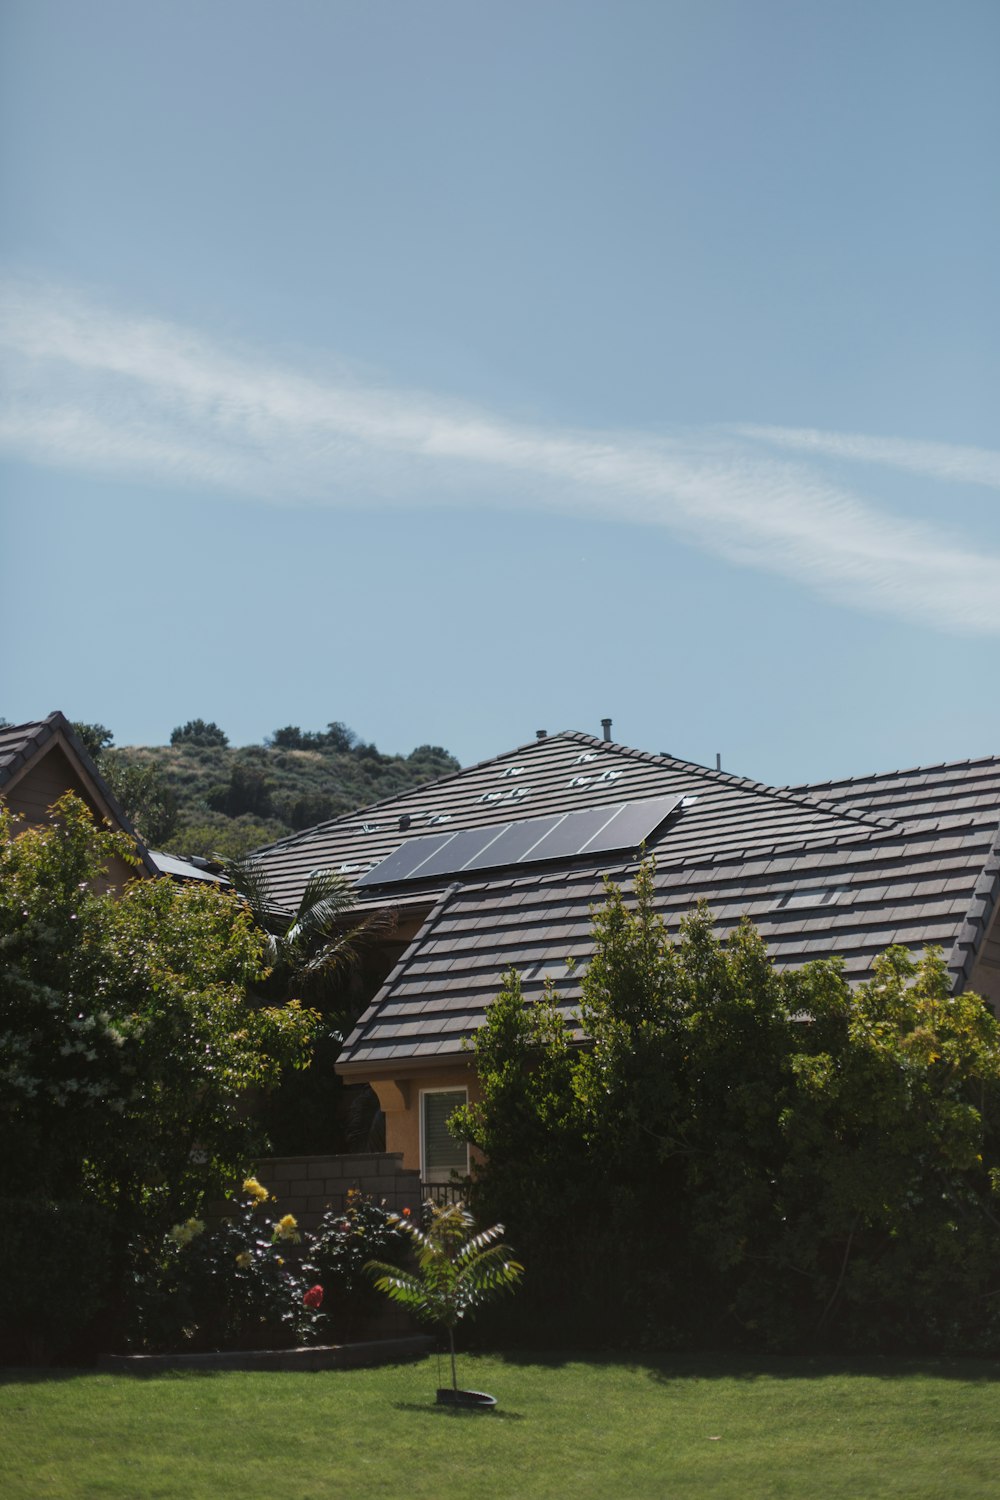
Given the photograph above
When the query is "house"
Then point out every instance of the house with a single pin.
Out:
(42, 760)
(499, 865)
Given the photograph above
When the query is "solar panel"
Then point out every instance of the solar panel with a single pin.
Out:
(402, 863)
(633, 823)
(512, 843)
(457, 851)
(572, 832)
(593, 830)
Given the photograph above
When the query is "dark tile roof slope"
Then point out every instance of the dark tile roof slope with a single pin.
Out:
(20, 743)
(966, 788)
(561, 773)
(852, 897)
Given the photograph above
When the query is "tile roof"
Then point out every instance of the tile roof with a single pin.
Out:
(845, 867)
(561, 773)
(966, 788)
(882, 889)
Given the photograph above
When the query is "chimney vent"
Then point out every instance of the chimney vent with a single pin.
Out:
(606, 726)
(404, 820)
(541, 734)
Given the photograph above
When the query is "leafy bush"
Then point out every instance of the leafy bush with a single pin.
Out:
(340, 1249)
(231, 1285)
(198, 732)
(55, 1269)
(756, 1158)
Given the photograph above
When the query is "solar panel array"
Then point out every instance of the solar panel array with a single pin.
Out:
(594, 830)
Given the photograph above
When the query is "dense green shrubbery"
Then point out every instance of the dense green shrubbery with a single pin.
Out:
(340, 1249)
(54, 1276)
(199, 796)
(234, 1284)
(128, 1049)
(250, 1280)
(745, 1157)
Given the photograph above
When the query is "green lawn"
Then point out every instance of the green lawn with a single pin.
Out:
(570, 1427)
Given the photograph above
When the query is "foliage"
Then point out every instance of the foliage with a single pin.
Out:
(54, 1275)
(227, 1285)
(127, 1047)
(458, 1270)
(317, 952)
(141, 789)
(343, 1245)
(761, 1158)
(230, 801)
(198, 732)
(96, 738)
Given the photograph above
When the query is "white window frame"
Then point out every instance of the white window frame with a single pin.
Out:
(454, 1088)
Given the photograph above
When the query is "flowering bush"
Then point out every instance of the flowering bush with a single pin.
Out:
(341, 1248)
(229, 1285)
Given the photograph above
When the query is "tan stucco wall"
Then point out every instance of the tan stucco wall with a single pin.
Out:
(400, 1099)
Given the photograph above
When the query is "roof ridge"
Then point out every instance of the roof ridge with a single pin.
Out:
(867, 820)
(55, 723)
(417, 791)
(942, 765)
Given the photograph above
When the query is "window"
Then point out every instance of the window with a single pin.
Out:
(440, 1153)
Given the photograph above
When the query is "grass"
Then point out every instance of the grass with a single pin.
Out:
(581, 1428)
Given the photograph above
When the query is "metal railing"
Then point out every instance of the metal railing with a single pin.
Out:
(444, 1193)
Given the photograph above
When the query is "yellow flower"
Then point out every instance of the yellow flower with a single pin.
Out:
(244, 1259)
(255, 1190)
(280, 1260)
(287, 1229)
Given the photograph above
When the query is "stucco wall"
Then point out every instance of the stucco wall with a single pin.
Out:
(400, 1099)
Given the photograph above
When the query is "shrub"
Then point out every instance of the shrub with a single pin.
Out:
(236, 1284)
(55, 1266)
(340, 1249)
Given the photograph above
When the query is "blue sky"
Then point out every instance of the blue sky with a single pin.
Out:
(457, 370)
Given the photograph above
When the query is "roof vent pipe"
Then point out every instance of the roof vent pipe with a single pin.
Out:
(718, 760)
(540, 734)
(606, 726)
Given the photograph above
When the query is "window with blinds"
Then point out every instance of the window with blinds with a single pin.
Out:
(440, 1153)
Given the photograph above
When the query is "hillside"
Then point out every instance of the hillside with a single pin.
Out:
(216, 799)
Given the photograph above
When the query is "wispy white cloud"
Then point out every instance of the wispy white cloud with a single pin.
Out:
(92, 388)
(950, 461)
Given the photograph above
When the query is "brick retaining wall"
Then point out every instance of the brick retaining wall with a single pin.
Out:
(307, 1186)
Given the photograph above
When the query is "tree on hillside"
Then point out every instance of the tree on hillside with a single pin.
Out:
(198, 732)
(142, 790)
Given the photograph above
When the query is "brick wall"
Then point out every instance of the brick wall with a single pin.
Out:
(307, 1186)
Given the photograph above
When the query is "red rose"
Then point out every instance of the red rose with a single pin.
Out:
(314, 1297)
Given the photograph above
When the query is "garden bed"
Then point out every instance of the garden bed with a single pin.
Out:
(316, 1357)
